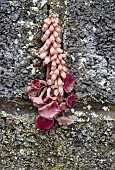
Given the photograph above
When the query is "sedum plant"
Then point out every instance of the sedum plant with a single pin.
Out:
(49, 95)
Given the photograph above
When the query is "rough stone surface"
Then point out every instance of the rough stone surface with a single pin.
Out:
(87, 32)
(88, 39)
(88, 144)
(82, 146)
(89, 42)
(19, 42)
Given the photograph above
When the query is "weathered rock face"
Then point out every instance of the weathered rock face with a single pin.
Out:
(88, 28)
(82, 146)
(88, 40)
(20, 22)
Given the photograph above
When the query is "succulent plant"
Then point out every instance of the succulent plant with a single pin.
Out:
(49, 95)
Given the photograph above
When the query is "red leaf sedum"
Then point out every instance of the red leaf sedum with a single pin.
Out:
(43, 123)
(50, 110)
(70, 99)
(35, 84)
(68, 83)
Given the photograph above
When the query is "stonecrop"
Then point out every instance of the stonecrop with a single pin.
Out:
(49, 95)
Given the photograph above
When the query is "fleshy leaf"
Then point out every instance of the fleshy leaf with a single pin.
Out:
(35, 84)
(50, 110)
(49, 98)
(37, 100)
(68, 82)
(29, 91)
(63, 120)
(60, 98)
(43, 123)
(63, 106)
(70, 99)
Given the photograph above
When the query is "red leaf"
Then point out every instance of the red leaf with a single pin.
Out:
(68, 82)
(35, 84)
(43, 123)
(63, 106)
(50, 110)
(70, 99)
(29, 91)
(37, 100)
(60, 98)
(49, 99)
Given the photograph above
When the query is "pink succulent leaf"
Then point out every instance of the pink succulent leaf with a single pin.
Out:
(63, 106)
(33, 93)
(68, 82)
(35, 84)
(50, 110)
(29, 91)
(37, 100)
(70, 99)
(49, 98)
(65, 121)
(60, 98)
(43, 123)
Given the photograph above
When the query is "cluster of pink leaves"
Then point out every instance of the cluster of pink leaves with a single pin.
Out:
(49, 108)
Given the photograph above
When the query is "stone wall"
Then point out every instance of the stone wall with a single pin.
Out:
(88, 36)
(82, 146)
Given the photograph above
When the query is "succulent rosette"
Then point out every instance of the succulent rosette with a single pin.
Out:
(49, 95)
